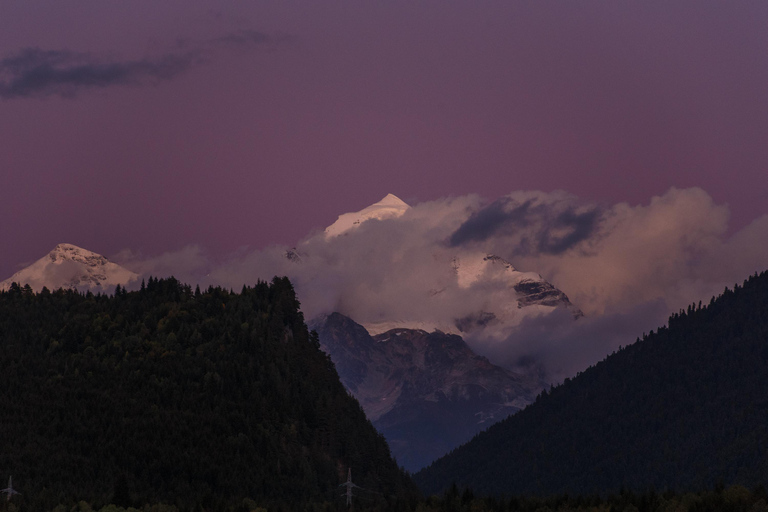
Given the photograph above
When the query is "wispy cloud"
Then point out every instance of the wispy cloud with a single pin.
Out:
(34, 72)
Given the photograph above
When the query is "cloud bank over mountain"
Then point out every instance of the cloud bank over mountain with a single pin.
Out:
(627, 267)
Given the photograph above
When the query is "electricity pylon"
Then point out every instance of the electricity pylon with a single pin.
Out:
(10, 491)
(349, 485)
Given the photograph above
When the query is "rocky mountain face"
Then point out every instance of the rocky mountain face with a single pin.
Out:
(541, 293)
(425, 392)
(532, 289)
(69, 266)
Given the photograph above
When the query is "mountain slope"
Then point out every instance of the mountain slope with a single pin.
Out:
(684, 407)
(69, 266)
(187, 398)
(425, 392)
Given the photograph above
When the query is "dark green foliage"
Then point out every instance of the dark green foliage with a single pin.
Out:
(189, 398)
(684, 408)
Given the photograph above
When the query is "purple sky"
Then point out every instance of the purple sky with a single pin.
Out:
(153, 125)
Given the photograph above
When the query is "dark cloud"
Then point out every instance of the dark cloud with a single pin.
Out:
(34, 72)
(490, 220)
(567, 230)
(541, 228)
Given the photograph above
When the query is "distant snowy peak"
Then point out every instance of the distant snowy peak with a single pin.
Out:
(69, 266)
(471, 268)
(389, 207)
(512, 294)
(531, 288)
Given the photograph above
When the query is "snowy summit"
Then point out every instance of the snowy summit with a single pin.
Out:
(389, 207)
(69, 266)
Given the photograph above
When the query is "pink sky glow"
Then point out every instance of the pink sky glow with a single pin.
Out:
(154, 125)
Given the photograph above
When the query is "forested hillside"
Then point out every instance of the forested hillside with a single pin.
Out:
(169, 395)
(683, 408)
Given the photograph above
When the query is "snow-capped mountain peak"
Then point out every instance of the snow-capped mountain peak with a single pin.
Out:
(70, 266)
(389, 207)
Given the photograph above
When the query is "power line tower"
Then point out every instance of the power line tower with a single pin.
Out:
(10, 491)
(349, 485)
(348, 494)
